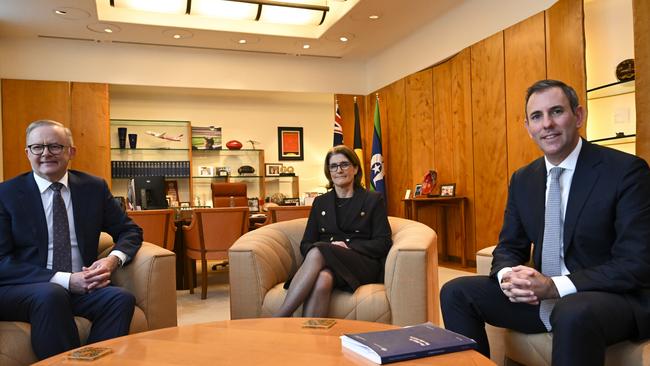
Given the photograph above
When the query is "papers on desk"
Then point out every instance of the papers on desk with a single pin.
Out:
(406, 343)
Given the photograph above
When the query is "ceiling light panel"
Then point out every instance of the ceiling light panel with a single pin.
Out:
(156, 6)
(224, 9)
(286, 15)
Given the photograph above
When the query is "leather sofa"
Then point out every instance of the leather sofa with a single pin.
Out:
(150, 277)
(262, 260)
(508, 347)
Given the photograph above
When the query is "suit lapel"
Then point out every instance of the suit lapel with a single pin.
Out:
(538, 205)
(34, 212)
(584, 179)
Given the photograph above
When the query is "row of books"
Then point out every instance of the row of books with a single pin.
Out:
(130, 169)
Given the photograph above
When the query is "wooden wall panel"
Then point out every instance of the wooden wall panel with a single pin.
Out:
(525, 63)
(419, 121)
(24, 101)
(90, 123)
(641, 9)
(461, 107)
(565, 47)
(489, 125)
(397, 150)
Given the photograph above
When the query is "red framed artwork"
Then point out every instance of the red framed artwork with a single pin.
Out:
(290, 146)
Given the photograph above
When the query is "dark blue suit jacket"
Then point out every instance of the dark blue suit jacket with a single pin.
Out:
(23, 227)
(606, 226)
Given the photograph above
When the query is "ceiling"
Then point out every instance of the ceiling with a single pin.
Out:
(367, 38)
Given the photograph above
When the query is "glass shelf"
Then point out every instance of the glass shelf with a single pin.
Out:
(616, 139)
(148, 148)
(610, 90)
(147, 122)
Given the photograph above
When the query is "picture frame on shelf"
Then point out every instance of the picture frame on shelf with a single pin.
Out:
(206, 138)
(254, 204)
(418, 190)
(206, 171)
(272, 169)
(290, 143)
(448, 190)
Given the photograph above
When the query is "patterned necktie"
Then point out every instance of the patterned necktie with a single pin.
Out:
(62, 251)
(551, 245)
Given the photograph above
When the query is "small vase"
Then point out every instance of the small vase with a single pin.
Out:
(133, 140)
(121, 134)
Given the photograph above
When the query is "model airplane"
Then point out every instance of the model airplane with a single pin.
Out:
(164, 136)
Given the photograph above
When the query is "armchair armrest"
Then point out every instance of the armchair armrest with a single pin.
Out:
(151, 278)
(258, 261)
(411, 275)
(484, 260)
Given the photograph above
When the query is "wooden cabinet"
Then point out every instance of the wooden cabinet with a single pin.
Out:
(81, 106)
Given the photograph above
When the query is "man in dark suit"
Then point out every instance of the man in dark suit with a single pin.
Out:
(50, 220)
(594, 202)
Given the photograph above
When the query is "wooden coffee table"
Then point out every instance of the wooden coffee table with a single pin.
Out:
(267, 341)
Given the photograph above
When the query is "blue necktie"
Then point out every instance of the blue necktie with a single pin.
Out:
(62, 249)
(551, 245)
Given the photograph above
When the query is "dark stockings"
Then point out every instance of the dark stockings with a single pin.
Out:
(312, 285)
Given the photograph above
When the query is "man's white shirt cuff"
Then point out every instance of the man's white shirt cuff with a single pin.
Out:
(62, 278)
(564, 285)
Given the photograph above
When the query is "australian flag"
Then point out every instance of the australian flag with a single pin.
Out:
(338, 130)
(377, 159)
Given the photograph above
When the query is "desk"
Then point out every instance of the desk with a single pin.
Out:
(411, 209)
(265, 341)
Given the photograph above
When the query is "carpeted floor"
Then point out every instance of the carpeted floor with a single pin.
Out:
(191, 309)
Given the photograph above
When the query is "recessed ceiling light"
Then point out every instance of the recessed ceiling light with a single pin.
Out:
(306, 46)
(373, 17)
(103, 28)
(242, 41)
(70, 13)
(343, 39)
(177, 33)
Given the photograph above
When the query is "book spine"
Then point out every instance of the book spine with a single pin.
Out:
(410, 356)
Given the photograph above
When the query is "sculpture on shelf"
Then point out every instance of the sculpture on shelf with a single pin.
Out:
(253, 142)
(429, 182)
(164, 136)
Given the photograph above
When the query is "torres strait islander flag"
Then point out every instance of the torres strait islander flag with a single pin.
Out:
(377, 159)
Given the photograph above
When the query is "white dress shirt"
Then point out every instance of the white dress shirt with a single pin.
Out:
(63, 278)
(562, 283)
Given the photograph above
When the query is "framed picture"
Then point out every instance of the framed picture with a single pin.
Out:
(206, 138)
(448, 190)
(290, 145)
(418, 190)
(254, 204)
(206, 171)
(272, 169)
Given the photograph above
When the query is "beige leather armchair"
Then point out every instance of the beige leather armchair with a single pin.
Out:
(262, 260)
(508, 347)
(150, 277)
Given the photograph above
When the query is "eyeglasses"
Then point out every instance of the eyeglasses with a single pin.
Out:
(344, 166)
(38, 149)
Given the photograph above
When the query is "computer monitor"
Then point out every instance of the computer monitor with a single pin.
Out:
(150, 192)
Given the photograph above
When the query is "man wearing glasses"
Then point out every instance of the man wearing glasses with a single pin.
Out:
(50, 220)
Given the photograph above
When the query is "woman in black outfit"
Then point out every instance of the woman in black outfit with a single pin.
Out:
(346, 239)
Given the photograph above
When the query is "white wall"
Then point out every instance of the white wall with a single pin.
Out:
(242, 115)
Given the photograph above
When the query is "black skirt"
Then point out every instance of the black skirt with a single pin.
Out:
(350, 268)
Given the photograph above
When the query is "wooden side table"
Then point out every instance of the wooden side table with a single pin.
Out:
(411, 206)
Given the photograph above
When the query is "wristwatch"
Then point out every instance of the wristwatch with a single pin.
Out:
(119, 261)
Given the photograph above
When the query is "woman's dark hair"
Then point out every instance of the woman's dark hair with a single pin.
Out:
(351, 156)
